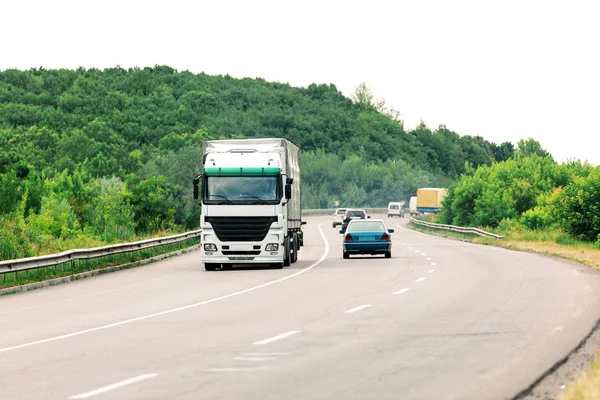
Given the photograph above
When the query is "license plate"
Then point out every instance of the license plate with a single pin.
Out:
(367, 238)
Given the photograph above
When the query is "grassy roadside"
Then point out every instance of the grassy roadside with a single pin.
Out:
(9, 280)
(587, 386)
(552, 243)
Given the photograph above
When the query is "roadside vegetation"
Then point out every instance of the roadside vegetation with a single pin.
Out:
(91, 157)
(101, 264)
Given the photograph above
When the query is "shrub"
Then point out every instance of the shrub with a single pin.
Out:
(578, 207)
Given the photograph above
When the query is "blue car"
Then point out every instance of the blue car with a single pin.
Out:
(367, 236)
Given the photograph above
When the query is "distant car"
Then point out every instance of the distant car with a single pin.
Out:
(353, 214)
(367, 236)
(338, 216)
(395, 210)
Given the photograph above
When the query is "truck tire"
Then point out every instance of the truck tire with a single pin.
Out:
(300, 239)
(288, 256)
(294, 248)
(210, 266)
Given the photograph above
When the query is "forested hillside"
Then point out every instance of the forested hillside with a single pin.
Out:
(90, 155)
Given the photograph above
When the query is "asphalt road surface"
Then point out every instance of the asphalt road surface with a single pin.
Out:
(440, 319)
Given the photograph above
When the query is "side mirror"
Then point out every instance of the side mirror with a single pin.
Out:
(289, 180)
(288, 191)
(303, 223)
(342, 231)
(390, 230)
(195, 182)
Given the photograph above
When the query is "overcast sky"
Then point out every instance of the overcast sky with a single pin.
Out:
(503, 70)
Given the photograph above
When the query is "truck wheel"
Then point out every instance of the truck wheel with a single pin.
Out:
(301, 239)
(294, 248)
(287, 257)
(210, 266)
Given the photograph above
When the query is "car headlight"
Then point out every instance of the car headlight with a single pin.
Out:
(272, 247)
(210, 247)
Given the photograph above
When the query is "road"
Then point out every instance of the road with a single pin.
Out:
(440, 319)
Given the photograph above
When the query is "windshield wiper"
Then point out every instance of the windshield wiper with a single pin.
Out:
(227, 201)
(260, 200)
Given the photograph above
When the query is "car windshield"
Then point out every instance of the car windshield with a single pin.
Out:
(357, 213)
(240, 188)
(366, 226)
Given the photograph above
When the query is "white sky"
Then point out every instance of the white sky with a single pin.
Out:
(503, 70)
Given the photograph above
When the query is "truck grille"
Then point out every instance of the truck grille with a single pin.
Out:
(241, 229)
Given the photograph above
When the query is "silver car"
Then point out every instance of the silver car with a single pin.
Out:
(338, 216)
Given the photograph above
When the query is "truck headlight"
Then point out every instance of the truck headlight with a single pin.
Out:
(210, 247)
(272, 247)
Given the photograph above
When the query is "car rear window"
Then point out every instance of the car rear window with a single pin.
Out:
(356, 214)
(394, 207)
(341, 211)
(366, 226)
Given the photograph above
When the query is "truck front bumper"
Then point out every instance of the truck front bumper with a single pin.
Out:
(243, 253)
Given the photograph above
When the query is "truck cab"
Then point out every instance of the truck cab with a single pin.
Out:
(250, 197)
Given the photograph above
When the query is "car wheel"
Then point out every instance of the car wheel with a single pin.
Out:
(210, 266)
(346, 255)
(388, 254)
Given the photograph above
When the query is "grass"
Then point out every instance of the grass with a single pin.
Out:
(8, 280)
(587, 386)
(553, 243)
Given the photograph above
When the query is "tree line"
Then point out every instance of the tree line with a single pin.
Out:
(106, 155)
(528, 191)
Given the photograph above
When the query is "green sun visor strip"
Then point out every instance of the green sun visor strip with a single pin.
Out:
(271, 171)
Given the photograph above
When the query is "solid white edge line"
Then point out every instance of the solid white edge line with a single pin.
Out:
(173, 310)
(276, 338)
(402, 291)
(113, 386)
(355, 309)
(420, 279)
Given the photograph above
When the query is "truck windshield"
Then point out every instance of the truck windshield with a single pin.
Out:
(236, 189)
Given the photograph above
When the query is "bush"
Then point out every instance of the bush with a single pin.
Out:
(539, 217)
(578, 207)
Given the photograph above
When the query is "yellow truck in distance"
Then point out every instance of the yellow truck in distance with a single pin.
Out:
(429, 200)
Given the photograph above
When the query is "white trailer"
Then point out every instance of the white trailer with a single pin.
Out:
(250, 198)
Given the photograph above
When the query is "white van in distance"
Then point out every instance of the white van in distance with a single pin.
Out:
(395, 210)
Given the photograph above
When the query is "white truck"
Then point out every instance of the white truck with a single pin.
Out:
(250, 199)
(412, 206)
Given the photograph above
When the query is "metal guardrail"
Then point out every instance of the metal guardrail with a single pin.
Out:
(24, 264)
(456, 228)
